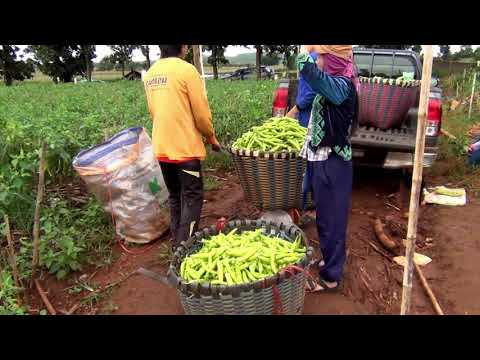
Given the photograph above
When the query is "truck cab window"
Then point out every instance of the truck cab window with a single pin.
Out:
(363, 62)
(382, 66)
(403, 64)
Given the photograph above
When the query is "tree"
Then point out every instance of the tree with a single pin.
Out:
(145, 49)
(445, 52)
(59, 61)
(258, 60)
(87, 53)
(122, 54)
(286, 50)
(217, 57)
(106, 64)
(270, 59)
(466, 51)
(13, 69)
(417, 48)
(476, 54)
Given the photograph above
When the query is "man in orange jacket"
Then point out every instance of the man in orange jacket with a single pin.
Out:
(181, 119)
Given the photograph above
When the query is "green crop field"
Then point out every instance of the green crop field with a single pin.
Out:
(72, 117)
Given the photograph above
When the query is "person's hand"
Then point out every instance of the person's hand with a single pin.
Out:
(470, 149)
(292, 113)
(305, 49)
(215, 144)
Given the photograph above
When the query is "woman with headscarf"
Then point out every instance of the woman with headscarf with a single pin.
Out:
(304, 100)
(328, 152)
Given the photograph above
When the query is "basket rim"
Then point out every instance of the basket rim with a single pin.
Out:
(389, 81)
(285, 155)
(217, 291)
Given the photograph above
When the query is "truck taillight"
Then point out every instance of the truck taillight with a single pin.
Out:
(280, 102)
(434, 115)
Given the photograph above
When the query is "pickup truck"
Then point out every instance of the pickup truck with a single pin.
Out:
(391, 148)
(249, 73)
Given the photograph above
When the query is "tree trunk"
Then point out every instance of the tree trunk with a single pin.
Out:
(148, 59)
(67, 77)
(123, 69)
(8, 79)
(287, 63)
(214, 63)
(89, 70)
(259, 62)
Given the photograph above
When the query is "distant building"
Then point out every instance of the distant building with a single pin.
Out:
(133, 75)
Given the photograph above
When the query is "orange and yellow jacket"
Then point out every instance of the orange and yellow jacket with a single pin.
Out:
(179, 108)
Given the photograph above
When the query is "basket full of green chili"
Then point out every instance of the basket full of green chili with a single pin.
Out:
(268, 164)
(247, 267)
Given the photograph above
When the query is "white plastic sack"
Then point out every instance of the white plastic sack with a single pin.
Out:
(126, 178)
(432, 197)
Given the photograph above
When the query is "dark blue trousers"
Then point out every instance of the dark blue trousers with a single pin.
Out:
(331, 182)
(474, 158)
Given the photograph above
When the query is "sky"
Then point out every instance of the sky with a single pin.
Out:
(104, 50)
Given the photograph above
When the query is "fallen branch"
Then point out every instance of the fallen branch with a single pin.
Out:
(449, 135)
(379, 251)
(357, 255)
(12, 256)
(423, 280)
(96, 292)
(218, 177)
(45, 300)
(392, 206)
(72, 309)
(36, 221)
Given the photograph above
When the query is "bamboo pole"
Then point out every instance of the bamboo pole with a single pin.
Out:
(416, 179)
(429, 291)
(38, 205)
(473, 93)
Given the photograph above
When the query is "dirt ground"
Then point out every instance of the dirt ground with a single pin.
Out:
(372, 282)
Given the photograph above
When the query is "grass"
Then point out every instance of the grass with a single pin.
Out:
(73, 117)
(452, 162)
(210, 183)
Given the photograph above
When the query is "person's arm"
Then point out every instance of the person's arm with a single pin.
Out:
(200, 107)
(305, 97)
(334, 88)
(475, 146)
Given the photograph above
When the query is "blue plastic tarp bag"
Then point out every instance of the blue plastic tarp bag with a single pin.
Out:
(126, 178)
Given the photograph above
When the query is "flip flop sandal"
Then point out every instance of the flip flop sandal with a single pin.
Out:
(312, 287)
(326, 288)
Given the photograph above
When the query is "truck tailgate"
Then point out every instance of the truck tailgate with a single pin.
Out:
(393, 139)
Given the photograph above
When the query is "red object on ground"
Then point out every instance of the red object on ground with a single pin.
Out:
(221, 224)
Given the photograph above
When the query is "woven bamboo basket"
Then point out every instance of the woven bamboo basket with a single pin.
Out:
(384, 103)
(283, 293)
(271, 181)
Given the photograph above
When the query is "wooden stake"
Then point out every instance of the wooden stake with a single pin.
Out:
(473, 93)
(416, 179)
(38, 205)
(12, 257)
(45, 300)
(429, 291)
